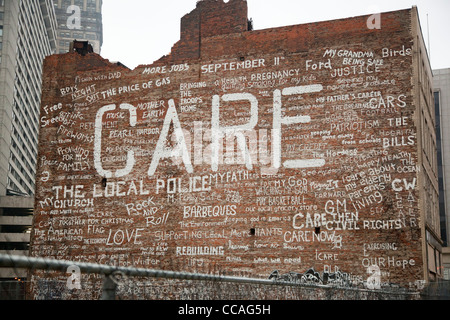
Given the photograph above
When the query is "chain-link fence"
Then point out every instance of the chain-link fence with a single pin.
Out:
(64, 280)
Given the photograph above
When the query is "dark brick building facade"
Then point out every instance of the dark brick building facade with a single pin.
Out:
(306, 149)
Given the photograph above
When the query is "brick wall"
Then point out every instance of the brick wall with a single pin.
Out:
(291, 149)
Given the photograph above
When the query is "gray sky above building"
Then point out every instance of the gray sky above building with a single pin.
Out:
(150, 28)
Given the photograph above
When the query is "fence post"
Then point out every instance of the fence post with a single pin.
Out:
(109, 288)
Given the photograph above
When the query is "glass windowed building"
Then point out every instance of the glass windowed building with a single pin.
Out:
(441, 79)
(27, 36)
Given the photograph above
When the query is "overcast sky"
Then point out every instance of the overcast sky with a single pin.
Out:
(141, 31)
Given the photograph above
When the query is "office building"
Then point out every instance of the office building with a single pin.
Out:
(27, 36)
(441, 79)
(327, 175)
(79, 20)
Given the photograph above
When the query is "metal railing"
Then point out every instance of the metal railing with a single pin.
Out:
(117, 283)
